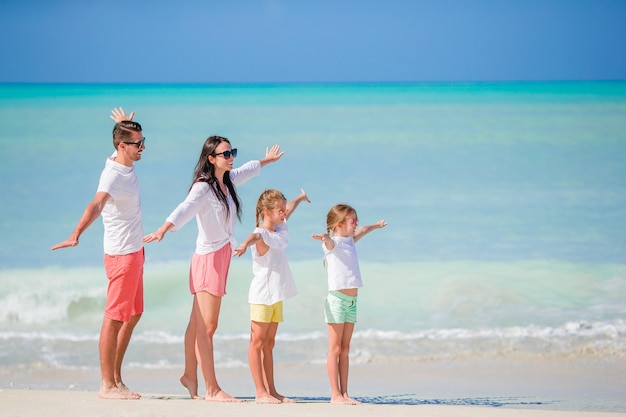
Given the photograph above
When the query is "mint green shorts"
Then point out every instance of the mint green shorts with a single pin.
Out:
(340, 308)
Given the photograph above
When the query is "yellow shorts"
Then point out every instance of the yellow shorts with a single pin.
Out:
(264, 313)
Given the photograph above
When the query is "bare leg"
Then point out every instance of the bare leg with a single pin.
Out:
(337, 363)
(109, 336)
(344, 362)
(268, 363)
(190, 377)
(123, 339)
(207, 310)
(257, 361)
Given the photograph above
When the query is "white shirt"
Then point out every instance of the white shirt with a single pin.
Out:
(121, 215)
(342, 264)
(215, 229)
(272, 281)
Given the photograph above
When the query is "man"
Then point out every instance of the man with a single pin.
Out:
(117, 200)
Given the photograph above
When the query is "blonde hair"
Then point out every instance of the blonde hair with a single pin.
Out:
(267, 200)
(336, 215)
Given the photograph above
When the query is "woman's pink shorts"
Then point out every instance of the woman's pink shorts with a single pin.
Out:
(125, 291)
(209, 272)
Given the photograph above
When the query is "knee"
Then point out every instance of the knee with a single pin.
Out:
(269, 344)
(208, 328)
(211, 328)
(257, 343)
(334, 350)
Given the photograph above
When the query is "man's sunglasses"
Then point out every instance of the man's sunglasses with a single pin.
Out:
(228, 154)
(139, 144)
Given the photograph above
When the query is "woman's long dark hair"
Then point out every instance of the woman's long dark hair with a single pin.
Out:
(205, 171)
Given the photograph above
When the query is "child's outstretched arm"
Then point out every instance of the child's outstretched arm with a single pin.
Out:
(363, 230)
(293, 204)
(328, 242)
(250, 240)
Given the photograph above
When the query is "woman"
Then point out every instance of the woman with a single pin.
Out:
(213, 200)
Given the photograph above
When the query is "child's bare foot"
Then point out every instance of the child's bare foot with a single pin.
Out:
(351, 400)
(191, 385)
(282, 398)
(117, 393)
(343, 400)
(221, 396)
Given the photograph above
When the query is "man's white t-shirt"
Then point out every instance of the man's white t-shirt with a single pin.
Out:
(121, 215)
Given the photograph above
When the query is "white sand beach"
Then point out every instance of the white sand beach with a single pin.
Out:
(25, 403)
(471, 388)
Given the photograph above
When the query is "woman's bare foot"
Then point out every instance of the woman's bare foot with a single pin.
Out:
(191, 385)
(282, 398)
(221, 396)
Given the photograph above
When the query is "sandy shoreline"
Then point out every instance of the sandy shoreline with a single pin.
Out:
(25, 403)
(501, 387)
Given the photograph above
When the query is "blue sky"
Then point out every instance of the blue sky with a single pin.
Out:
(208, 41)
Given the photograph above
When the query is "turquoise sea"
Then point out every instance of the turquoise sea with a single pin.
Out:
(506, 205)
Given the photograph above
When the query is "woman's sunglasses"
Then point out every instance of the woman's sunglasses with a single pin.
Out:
(228, 154)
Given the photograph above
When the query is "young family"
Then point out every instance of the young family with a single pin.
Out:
(213, 201)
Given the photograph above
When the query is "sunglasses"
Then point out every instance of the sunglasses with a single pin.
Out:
(228, 154)
(138, 144)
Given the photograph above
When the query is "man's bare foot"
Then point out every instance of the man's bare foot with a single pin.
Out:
(132, 394)
(267, 399)
(191, 385)
(221, 396)
(117, 393)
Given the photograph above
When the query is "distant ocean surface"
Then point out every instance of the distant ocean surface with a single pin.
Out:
(506, 205)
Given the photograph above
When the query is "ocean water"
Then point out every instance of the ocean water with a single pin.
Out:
(506, 205)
